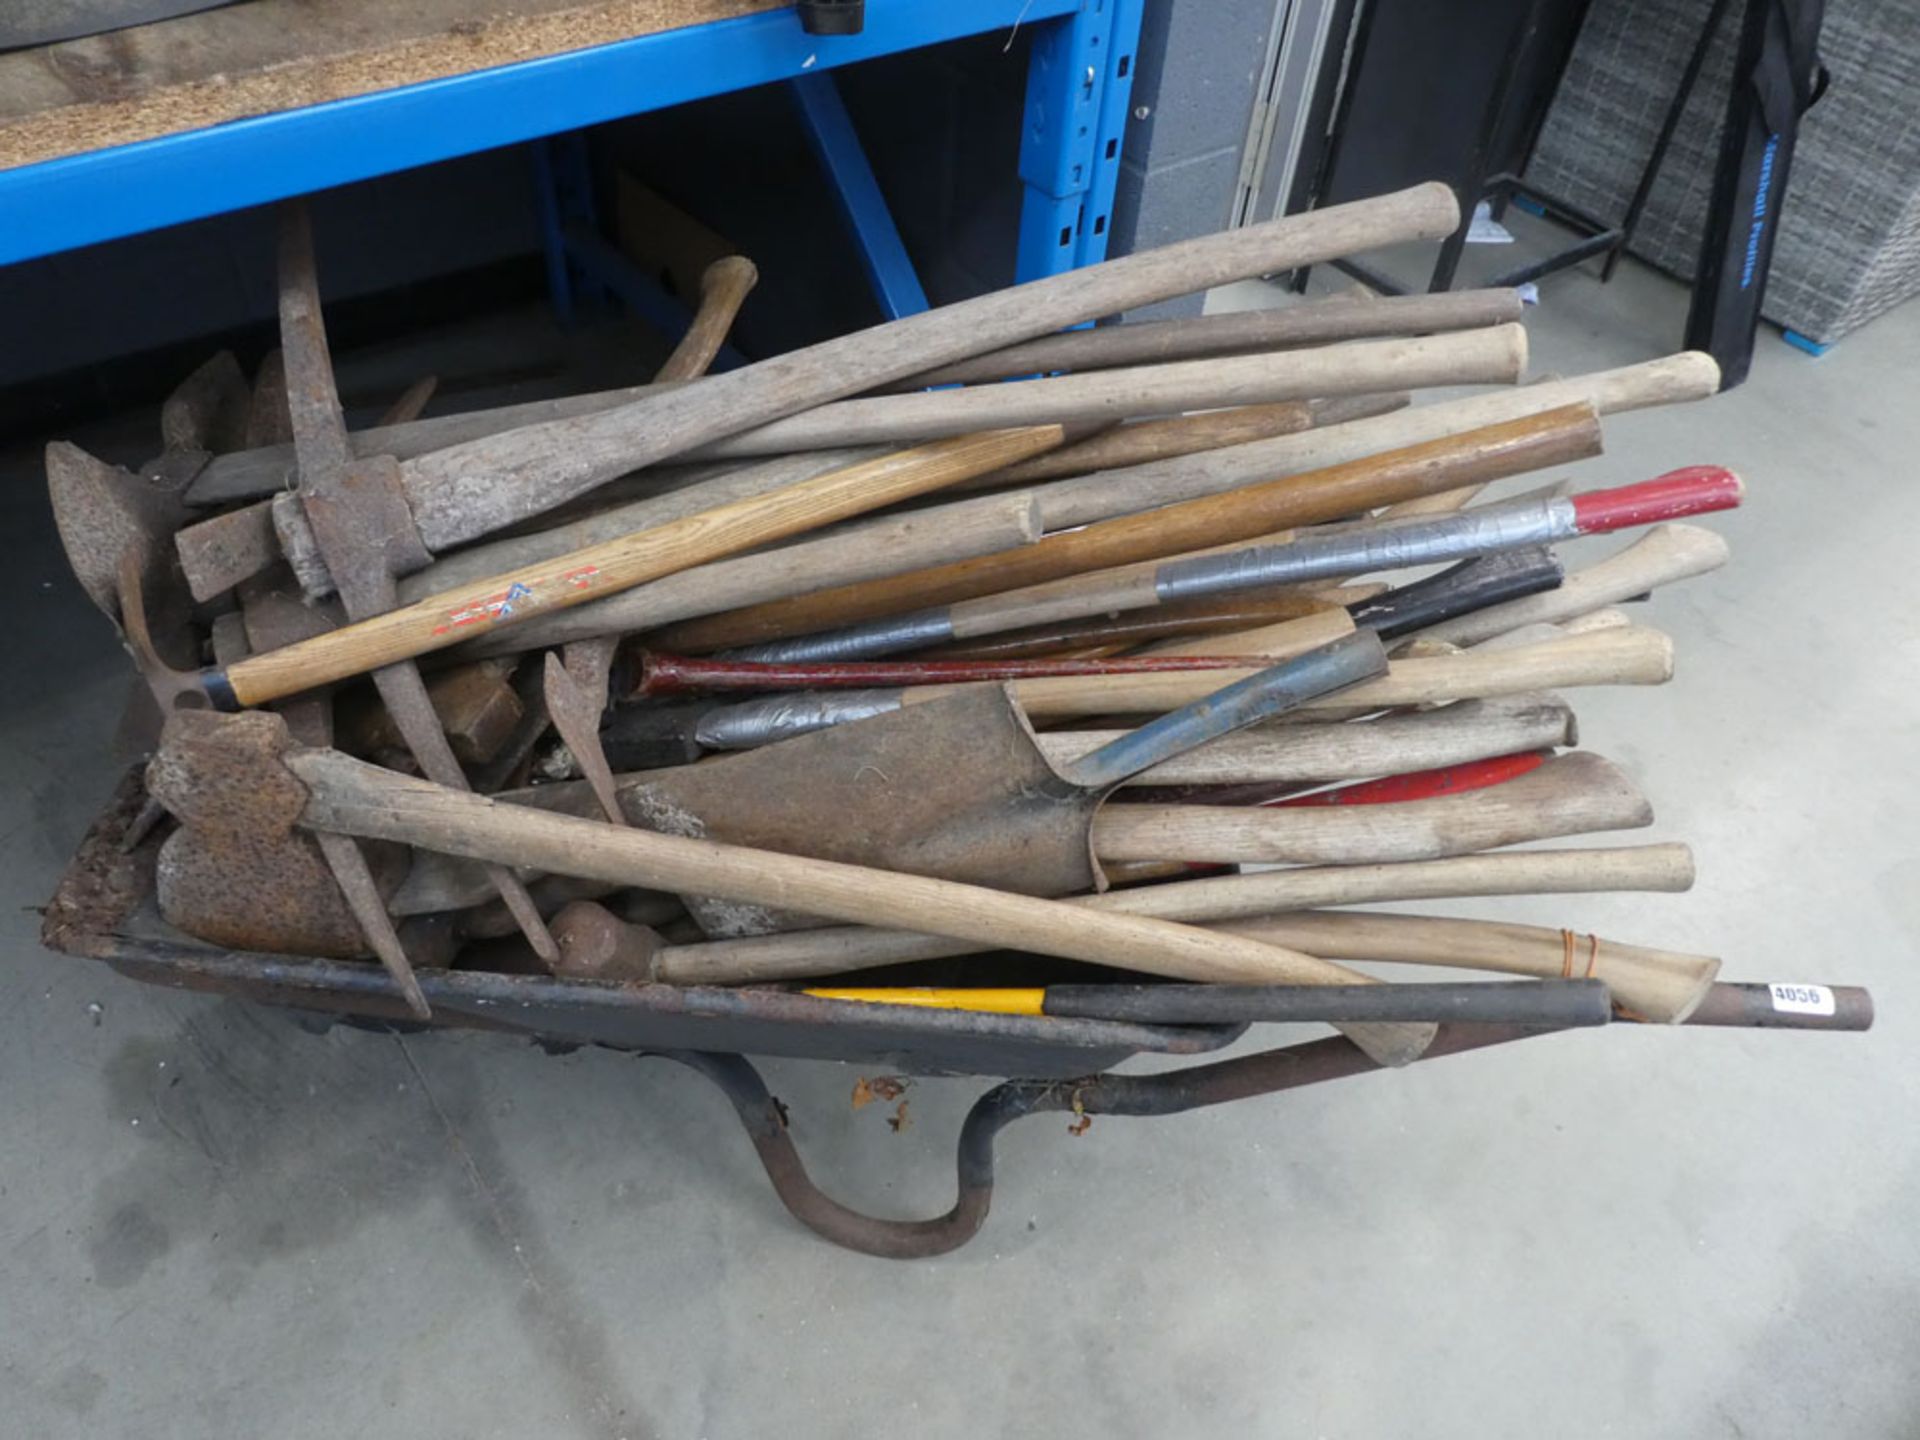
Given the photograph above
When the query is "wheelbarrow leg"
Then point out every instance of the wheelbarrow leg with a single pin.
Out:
(1168, 1093)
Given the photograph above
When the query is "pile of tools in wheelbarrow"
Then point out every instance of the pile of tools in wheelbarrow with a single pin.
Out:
(974, 693)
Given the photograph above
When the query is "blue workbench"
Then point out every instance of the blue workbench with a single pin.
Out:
(1078, 81)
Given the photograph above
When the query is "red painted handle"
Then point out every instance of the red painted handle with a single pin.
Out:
(676, 674)
(1425, 784)
(1389, 790)
(1694, 490)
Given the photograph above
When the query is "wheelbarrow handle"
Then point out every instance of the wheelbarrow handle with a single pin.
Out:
(1346, 661)
(1171, 1092)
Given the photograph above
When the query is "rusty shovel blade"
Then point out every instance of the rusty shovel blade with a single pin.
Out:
(957, 788)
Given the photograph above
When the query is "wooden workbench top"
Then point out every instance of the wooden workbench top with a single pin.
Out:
(263, 56)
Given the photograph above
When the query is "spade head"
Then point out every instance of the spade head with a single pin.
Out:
(954, 788)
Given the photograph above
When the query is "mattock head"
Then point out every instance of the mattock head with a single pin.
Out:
(238, 872)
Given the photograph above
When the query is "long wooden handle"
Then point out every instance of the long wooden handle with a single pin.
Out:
(352, 797)
(1086, 498)
(1279, 642)
(930, 535)
(724, 287)
(1318, 322)
(461, 493)
(1308, 752)
(1185, 618)
(1489, 452)
(1300, 753)
(1626, 656)
(1662, 985)
(1139, 441)
(478, 563)
(1633, 655)
(1570, 795)
(801, 954)
(519, 595)
(1495, 356)
(1275, 639)
(1663, 555)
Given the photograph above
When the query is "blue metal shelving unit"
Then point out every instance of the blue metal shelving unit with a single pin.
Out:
(1079, 78)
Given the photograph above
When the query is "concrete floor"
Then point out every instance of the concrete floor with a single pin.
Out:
(212, 1223)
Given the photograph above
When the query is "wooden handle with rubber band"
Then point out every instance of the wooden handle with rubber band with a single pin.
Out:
(800, 954)
(1662, 985)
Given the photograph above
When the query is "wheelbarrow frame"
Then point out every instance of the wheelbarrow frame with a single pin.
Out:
(104, 910)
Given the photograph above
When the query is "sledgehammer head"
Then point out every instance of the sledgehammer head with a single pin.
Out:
(237, 872)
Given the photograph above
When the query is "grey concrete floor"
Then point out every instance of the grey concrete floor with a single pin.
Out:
(213, 1223)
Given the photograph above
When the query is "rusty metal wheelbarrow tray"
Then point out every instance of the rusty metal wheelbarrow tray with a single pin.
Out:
(104, 910)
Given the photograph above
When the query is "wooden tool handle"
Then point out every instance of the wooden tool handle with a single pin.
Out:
(937, 533)
(681, 674)
(351, 797)
(1663, 555)
(519, 595)
(1314, 752)
(1663, 985)
(724, 287)
(1113, 634)
(461, 493)
(478, 563)
(1274, 641)
(1317, 322)
(1634, 655)
(1570, 795)
(1139, 441)
(1494, 356)
(799, 954)
(1158, 530)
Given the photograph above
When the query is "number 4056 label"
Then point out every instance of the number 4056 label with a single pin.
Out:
(1802, 999)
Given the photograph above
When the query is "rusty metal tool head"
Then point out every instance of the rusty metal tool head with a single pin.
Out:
(575, 702)
(103, 513)
(356, 513)
(238, 872)
(958, 789)
(596, 944)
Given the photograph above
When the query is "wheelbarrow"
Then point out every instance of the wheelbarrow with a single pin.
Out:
(104, 910)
